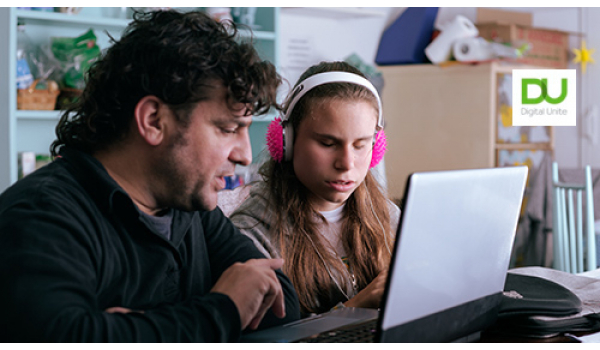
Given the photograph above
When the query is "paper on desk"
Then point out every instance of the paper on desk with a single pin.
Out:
(592, 338)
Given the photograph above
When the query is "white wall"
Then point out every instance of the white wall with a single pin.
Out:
(327, 36)
(568, 147)
(578, 145)
(334, 38)
(591, 90)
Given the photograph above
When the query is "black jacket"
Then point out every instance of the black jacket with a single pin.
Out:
(72, 245)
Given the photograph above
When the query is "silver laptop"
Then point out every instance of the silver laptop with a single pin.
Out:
(448, 267)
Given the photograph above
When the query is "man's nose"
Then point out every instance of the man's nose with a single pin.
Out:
(242, 152)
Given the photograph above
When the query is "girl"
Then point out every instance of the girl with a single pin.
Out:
(319, 207)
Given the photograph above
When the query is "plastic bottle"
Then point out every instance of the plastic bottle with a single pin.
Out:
(24, 49)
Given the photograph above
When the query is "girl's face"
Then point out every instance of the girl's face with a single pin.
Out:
(332, 150)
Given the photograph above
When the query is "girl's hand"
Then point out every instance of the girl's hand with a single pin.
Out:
(370, 296)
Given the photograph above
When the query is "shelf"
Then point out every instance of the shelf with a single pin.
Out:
(542, 146)
(38, 115)
(334, 12)
(56, 18)
(33, 130)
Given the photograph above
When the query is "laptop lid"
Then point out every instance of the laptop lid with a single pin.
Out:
(451, 254)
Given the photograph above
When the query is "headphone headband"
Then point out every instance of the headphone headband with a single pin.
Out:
(330, 77)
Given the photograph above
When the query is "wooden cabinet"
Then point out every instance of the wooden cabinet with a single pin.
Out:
(26, 130)
(454, 117)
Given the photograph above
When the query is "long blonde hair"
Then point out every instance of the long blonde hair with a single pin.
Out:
(366, 227)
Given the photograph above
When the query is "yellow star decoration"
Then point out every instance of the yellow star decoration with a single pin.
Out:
(584, 55)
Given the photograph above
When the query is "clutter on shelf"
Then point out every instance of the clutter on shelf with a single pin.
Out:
(440, 49)
(30, 162)
(74, 56)
(245, 16)
(496, 35)
(25, 53)
(68, 10)
(41, 95)
(478, 49)
(220, 14)
(41, 9)
(58, 67)
(404, 41)
(372, 74)
(548, 47)
(460, 40)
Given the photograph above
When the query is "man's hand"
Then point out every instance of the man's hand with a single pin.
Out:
(370, 297)
(254, 288)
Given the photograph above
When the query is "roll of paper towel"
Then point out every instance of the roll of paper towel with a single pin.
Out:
(440, 49)
(478, 49)
(472, 49)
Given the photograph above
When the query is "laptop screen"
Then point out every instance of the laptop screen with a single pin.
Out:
(454, 243)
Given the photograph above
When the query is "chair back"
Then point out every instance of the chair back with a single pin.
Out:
(573, 251)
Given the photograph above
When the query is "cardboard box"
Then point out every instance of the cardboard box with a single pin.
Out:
(486, 15)
(550, 48)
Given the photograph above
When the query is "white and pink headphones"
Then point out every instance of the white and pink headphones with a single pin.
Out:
(280, 134)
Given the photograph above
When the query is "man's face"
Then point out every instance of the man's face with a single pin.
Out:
(195, 160)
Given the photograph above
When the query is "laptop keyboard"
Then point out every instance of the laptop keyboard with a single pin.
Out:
(363, 332)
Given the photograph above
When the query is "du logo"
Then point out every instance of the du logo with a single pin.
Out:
(544, 97)
(543, 85)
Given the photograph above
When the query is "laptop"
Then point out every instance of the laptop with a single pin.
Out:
(448, 266)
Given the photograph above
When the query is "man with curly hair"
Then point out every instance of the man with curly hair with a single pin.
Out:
(119, 239)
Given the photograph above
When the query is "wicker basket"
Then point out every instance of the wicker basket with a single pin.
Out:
(33, 99)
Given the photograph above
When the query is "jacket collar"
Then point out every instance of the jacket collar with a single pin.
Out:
(105, 191)
(94, 178)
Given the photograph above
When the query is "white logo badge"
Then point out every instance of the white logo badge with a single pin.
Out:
(544, 97)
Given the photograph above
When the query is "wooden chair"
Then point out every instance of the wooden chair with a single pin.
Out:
(573, 253)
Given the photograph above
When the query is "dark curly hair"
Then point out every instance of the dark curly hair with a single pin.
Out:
(178, 57)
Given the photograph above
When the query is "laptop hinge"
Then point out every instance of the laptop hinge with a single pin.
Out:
(460, 323)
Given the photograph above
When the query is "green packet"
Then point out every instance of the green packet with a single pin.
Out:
(75, 55)
(74, 77)
(64, 48)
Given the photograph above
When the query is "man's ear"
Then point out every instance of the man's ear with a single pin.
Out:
(150, 119)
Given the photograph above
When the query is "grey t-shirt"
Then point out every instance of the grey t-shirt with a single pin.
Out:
(159, 224)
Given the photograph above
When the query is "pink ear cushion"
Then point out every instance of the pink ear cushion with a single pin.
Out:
(275, 139)
(378, 148)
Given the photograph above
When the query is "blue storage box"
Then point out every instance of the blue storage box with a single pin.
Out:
(405, 40)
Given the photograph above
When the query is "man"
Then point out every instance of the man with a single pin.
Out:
(117, 239)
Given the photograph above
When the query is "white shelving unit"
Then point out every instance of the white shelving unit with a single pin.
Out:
(24, 130)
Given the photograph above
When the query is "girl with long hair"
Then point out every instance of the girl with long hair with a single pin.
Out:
(320, 208)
